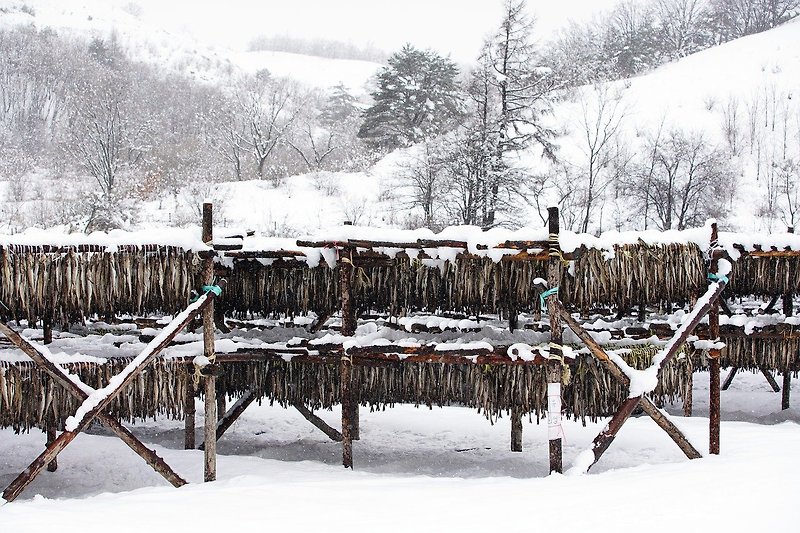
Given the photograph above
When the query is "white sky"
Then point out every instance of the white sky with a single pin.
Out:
(455, 27)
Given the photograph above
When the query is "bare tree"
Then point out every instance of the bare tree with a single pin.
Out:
(601, 115)
(692, 181)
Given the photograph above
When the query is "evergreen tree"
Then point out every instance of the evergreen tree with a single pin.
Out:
(417, 97)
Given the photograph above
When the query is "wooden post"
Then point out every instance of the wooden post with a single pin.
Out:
(652, 411)
(713, 354)
(345, 372)
(770, 379)
(50, 421)
(555, 360)
(688, 394)
(516, 430)
(189, 410)
(50, 427)
(788, 303)
(349, 410)
(47, 328)
(210, 422)
(787, 387)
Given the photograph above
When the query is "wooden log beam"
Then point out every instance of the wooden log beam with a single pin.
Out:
(664, 422)
(318, 423)
(60, 376)
(604, 439)
(729, 377)
(231, 415)
(770, 379)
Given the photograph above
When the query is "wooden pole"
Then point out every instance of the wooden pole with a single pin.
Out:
(189, 409)
(787, 387)
(788, 310)
(47, 328)
(555, 360)
(688, 394)
(349, 410)
(50, 422)
(714, 354)
(516, 430)
(345, 372)
(210, 421)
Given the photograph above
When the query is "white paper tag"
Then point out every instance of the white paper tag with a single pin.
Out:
(554, 429)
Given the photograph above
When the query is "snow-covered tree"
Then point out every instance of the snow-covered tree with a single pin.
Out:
(417, 97)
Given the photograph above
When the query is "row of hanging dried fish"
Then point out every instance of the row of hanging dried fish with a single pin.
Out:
(754, 353)
(77, 284)
(29, 398)
(493, 390)
(765, 276)
(649, 274)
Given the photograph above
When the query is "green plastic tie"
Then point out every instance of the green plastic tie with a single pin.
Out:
(545, 294)
(216, 289)
(717, 277)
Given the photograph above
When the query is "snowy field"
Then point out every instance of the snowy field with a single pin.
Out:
(426, 470)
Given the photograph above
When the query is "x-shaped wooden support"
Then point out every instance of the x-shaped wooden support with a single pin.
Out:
(609, 433)
(95, 402)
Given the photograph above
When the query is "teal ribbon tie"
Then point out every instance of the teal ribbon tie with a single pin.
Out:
(545, 294)
(216, 289)
(717, 277)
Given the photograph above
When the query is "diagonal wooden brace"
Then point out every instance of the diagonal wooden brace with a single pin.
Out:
(647, 405)
(609, 433)
(97, 401)
(60, 376)
(232, 414)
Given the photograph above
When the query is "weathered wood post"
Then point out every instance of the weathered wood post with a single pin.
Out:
(210, 422)
(555, 360)
(688, 393)
(713, 355)
(788, 310)
(516, 429)
(50, 417)
(346, 364)
(189, 409)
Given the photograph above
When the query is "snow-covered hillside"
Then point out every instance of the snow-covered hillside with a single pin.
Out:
(741, 95)
(750, 84)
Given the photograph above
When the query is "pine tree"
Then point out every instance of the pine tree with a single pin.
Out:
(417, 97)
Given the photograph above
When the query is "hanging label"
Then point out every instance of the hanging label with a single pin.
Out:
(554, 429)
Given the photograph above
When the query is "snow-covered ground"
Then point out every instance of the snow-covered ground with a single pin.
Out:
(445, 469)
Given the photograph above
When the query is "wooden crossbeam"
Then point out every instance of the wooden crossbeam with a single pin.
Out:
(604, 439)
(58, 374)
(97, 401)
(647, 405)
